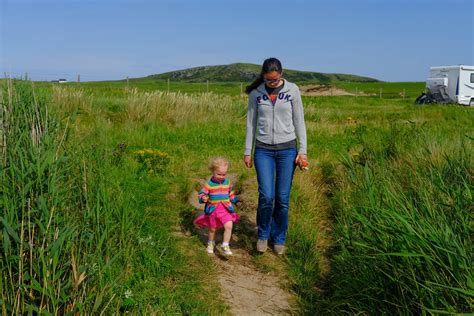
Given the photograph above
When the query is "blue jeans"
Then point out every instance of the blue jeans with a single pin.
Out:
(275, 170)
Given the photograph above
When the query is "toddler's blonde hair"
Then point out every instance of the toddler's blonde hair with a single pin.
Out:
(218, 162)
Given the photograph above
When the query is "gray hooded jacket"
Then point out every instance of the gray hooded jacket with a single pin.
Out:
(275, 124)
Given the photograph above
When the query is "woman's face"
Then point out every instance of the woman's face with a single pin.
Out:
(272, 79)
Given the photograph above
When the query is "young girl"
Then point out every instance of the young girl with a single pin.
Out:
(219, 212)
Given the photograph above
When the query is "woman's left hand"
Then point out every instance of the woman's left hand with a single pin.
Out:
(302, 162)
(301, 156)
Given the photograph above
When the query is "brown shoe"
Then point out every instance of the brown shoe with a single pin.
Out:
(279, 249)
(262, 245)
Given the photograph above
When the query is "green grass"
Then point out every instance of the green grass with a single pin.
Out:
(409, 219)
(387, 89)
(402, 208)
(120, 89)
(84, 228)
(381, 224)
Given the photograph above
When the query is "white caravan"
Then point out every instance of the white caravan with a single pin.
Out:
(451, 84)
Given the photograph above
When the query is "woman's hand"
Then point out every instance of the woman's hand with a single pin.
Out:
(301, 157)
(302, 162)
(248, 161)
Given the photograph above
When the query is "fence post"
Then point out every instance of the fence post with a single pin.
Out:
(127, 83)
(168, 85)
(207, 85)
(241, 88)
(380, 93)
(78, 78)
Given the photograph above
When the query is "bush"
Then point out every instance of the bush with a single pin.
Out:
(152, 161)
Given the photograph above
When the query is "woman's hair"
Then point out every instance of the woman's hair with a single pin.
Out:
(269, 65)
(218, 162)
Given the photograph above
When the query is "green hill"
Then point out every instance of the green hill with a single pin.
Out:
(240, 72)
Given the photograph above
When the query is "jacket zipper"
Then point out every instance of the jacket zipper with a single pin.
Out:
(273, 116)
(273, 127)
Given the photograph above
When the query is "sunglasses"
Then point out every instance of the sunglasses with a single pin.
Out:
(271, 80)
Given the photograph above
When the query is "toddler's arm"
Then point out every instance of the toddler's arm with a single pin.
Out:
(204, 194)
(233, 198)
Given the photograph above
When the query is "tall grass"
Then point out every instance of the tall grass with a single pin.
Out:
(61, 228)
(83, 229)
(154, 271)
(39, 264)
(410, 220)
(403, 221)
(175, 108)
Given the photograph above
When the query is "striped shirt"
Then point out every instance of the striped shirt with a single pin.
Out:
(218, 192)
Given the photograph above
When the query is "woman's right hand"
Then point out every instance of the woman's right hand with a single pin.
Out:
(248, 161)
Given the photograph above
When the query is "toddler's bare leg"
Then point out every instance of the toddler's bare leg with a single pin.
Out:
(211, 235)
(227, 231)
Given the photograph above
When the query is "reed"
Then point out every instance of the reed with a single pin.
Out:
(403, 224)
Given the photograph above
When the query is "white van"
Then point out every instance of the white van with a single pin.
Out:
(450, 84)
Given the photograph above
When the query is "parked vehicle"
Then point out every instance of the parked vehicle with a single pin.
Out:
(449, 84)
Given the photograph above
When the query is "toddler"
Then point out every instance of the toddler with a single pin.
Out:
(218, 194)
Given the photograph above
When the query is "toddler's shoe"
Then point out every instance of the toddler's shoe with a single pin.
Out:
(226, 250)
(262, 245)
(210, 248)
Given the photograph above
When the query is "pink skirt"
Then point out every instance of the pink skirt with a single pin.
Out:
(216, 219)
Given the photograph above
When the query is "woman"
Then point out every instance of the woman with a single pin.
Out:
(275, 120)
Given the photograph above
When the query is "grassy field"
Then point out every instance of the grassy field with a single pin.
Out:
(391, 90)
(95, 180)
(120, 88)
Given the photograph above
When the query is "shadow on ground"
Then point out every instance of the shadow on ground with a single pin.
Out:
(244, 234)
(247, 285)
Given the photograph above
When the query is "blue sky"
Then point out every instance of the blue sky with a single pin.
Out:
(394, 40)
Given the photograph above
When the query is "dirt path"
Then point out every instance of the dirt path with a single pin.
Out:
(251, 284)
(327, 90)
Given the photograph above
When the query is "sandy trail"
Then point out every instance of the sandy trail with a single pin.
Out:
(327, 90)
(247, 289)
